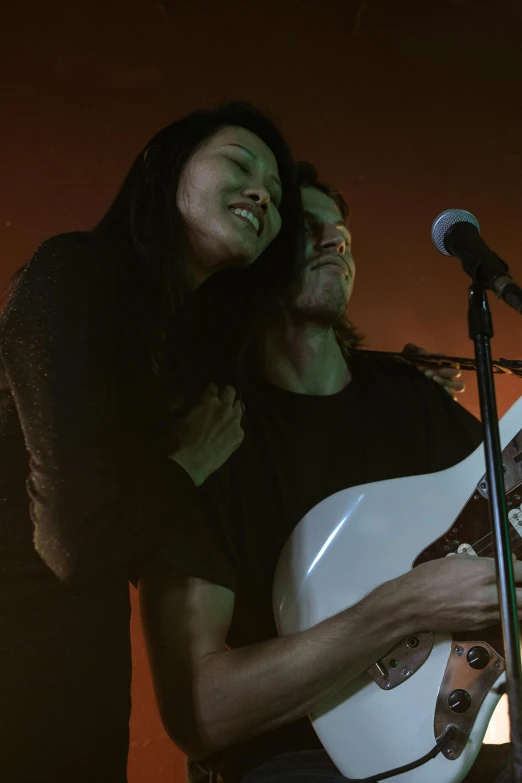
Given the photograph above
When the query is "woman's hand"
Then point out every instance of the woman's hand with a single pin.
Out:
(445, 376)
(209, 434)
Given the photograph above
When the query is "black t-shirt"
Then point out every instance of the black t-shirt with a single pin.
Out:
(390, 421)
(86, 491)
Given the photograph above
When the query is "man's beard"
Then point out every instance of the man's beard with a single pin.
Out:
(330, 317)
(327, 314)
(321, 307)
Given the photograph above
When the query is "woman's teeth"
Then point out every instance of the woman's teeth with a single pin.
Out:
(249, 216)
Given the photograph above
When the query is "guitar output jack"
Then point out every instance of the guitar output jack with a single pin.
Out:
(413, 642)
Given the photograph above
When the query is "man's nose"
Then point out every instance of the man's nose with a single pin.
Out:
(333, 239)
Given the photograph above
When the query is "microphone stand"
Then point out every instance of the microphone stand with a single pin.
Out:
(480, 327)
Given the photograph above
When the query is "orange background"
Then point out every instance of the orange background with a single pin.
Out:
(410, 108)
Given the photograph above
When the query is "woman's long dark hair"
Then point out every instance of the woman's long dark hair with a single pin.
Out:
(145, 222)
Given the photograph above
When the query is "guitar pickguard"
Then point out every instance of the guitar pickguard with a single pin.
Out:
(473, 526)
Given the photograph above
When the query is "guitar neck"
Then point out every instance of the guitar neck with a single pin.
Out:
(500, 366)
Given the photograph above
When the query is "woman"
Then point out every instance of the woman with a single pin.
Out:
(90, 481)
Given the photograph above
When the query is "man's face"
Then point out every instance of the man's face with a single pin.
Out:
(325, 285)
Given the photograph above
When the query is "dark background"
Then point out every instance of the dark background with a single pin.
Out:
(408, 107)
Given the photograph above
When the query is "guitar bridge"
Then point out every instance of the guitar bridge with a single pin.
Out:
(402, 661)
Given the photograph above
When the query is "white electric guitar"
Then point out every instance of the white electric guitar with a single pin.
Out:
(359, 538)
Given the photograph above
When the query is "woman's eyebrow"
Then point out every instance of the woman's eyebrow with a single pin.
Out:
(254, 157)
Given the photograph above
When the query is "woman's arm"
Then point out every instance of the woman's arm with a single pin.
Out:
(101, 494)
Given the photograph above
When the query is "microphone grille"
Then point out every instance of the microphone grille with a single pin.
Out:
(445, 221)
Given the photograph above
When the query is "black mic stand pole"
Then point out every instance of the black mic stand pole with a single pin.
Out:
(480, 327)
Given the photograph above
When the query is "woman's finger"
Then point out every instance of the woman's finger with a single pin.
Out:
(228, 395)
(448, 372)
(453, 390)
(238, 408)
(455, 385)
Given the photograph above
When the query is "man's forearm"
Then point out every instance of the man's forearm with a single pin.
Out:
(251, 690)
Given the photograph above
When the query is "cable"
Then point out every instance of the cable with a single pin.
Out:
(446, 737)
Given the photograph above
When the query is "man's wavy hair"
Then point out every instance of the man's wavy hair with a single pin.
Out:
(348, 337)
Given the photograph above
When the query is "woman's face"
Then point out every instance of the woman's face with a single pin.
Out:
(228, 196)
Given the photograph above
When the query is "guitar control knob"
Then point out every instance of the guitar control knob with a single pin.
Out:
(459, 701)
(478, 657)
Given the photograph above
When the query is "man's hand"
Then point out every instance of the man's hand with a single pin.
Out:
(455, 593)
(209, 434)
(447, 377)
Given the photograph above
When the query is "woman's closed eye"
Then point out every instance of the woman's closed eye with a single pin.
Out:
(241, 166)
(275, 197)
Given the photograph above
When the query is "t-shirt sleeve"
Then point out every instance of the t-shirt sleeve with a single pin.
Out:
(93, 505)
(217, 544)
(218, 505)
(453, 432)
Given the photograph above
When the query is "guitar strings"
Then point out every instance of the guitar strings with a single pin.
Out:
(489, 547)
(488, 535)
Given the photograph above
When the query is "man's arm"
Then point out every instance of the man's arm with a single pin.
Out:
(211, 698)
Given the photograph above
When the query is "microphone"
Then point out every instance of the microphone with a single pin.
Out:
(456, 232)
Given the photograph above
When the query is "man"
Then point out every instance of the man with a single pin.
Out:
(317, 413)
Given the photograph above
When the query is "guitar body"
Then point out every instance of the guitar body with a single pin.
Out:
(356, 540)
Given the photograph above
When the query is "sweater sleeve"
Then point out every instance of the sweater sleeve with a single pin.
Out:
(103, 495)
